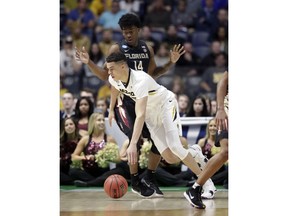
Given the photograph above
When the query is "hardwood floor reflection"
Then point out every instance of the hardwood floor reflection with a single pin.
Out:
(93, 202)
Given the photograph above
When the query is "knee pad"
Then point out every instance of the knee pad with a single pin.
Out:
(175, 145)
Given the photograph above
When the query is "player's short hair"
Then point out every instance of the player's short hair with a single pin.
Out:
(116, 57)
(129, 20)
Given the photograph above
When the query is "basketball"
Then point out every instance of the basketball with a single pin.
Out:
(115, 186)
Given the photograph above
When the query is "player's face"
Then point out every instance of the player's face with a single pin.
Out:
(114, 70)
(69, 126)
(212, 127)
(131, 35)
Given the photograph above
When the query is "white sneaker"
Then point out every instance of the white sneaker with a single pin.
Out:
(197, 154)
(209, 190)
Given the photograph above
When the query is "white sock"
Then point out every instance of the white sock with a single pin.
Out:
(195, 185)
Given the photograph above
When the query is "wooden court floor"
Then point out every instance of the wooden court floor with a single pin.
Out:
(92, 202)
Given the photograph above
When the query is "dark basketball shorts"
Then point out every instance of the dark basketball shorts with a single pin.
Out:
(125, 117)
(219, 136)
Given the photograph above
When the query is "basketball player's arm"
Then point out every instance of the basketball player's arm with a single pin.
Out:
(221, 116)
(175, 54)
(113, 98)
(140, 110)
(76, 155)
(102, 73)
(83, 56)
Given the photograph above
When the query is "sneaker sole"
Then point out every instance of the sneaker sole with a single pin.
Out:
(158, 195)
(136, 192)
(189, 200)
(209, 196)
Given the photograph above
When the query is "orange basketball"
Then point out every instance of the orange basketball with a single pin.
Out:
(115, 186)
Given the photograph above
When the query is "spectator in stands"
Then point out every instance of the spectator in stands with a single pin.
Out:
(213, 107)
(206, 17)
(178, 85)
(83, 110)
(171, 37)
(87, 93)
(96, 56)
(106, 42)
(68, 106)
(189, 63)
(222, 36)
(162, 56)
(158, 15)
(68, 141)
(198, 108)
(145, 34)
(212, 75)
(131, 6)
(209, 60)
(105, 91)
(220, 20)
(79, 38)
(103, 104)
(193, 7)
(68, 64)
(109, 18)
(183, 103)
(89, 145)
(181, 16)
(83, 17)
(99, 6)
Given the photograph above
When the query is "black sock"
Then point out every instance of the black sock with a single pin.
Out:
(150, 175)
(135, 179)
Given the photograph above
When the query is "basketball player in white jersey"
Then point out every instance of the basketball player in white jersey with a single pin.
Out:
(154, 105)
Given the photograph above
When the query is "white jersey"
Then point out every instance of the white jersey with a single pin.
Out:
(162, 115)
(141, 84)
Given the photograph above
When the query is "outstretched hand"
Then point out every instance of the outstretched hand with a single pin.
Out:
(175, 54)
(82, 55)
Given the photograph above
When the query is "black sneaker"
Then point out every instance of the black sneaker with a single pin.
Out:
(79, 183)
(150, 184)
(194, 197)
(142, 190)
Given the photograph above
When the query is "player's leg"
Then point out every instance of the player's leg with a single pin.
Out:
(153, 162)
(169, 116)
(125, 117)
(211, 168)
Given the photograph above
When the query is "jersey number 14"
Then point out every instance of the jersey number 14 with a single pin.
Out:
(139, 66)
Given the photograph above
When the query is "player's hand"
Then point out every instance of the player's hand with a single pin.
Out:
(221, 120)
(175, 54)
(132, 155)
(82, 55)
(111, 116)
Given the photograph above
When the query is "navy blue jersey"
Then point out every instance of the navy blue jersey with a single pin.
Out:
(138, 57)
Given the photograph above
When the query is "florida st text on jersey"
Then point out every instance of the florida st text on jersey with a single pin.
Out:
(138, 57)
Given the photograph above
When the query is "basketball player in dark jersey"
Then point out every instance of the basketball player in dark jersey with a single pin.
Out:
(140, 57)
(193, 195)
